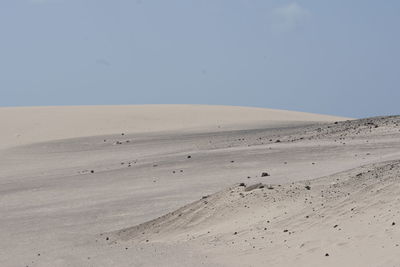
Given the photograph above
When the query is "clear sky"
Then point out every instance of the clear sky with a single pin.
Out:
(336, 57)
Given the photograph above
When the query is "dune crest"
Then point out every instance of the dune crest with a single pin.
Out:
(24, 125)
(290, 223)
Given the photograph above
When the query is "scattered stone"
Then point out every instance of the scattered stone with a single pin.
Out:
(242, 184)
(189, 157)
(326, 254)
(92, 171)
(264, 174)
(308, 187)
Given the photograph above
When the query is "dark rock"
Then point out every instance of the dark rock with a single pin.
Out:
(264, 174)
(254, 186)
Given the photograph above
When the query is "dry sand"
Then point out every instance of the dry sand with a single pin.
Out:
(183, 186)
(24, 125)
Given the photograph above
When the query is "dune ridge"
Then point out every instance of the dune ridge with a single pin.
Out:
(299, 223)
(24, 125)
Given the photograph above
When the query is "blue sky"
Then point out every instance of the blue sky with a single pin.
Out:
(334, 57)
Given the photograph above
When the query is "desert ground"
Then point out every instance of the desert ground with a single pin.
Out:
(188, 185)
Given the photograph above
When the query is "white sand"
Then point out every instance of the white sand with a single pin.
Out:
(55, 212)
(22, 125)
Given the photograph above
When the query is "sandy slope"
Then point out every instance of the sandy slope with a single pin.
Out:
(172, 197)
(347, 219)
(22, 125)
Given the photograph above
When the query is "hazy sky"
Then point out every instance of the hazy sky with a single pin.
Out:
(334, 57)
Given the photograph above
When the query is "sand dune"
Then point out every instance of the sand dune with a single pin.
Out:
(329, 221)
(22, 125)
(284, 189)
